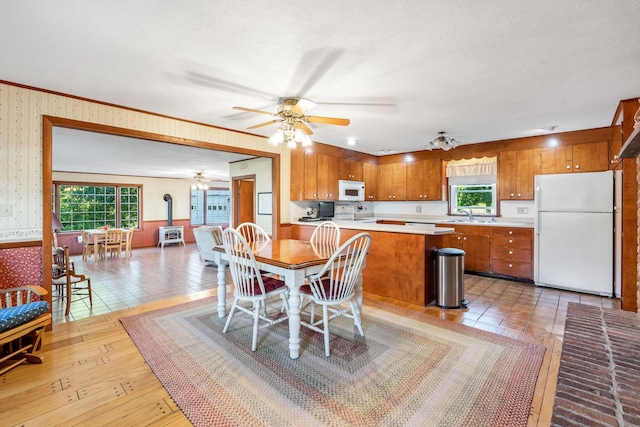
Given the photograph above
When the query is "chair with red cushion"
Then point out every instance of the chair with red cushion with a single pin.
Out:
(250, 285)
(335, 284)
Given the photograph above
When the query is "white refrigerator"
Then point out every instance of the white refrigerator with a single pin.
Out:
(574, 232)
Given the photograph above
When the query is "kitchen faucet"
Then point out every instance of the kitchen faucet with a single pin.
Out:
(469, 213)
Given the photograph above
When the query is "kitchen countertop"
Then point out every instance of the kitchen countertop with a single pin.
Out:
(390, 228)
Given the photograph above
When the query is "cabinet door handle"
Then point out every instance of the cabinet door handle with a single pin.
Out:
(510, 241)
(568, 166)
(510, 252)
(394, 197)
(464, 238)
(519, 195)
(510, 232)
(577, 166)
(512, 194)
(421, 196)
(510, 265)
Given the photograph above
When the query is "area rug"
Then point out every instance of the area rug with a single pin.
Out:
(410, 369)
(599, 374)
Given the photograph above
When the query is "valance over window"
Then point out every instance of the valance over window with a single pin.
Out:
(472, 167)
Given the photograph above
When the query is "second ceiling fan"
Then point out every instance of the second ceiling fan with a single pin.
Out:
(291, 116)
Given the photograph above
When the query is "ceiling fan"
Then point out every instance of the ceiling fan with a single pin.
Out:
(292, 119)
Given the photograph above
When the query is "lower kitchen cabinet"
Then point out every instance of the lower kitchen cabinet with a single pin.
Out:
(512, 252)
(475, 241)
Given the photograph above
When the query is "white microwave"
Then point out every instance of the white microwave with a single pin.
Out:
(351, 190)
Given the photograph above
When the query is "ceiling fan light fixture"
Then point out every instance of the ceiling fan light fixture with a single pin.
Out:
(442, 142)
(199, 182)
(351, 141)
(277, 137)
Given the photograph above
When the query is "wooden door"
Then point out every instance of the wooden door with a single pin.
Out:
(524, 175)
(370, 177)
(399, 181)
(310, 176)
(507, 175)
(243, 200)
(432, 187)
(328, 175)
(385, 181)
(592, 157)
(415, 181)
(351, 170)
(477, 253)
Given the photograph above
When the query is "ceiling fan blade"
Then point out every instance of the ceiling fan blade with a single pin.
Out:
(304, 127)
(264, 124)
(253, 111)
(328, 120)
(302, 106)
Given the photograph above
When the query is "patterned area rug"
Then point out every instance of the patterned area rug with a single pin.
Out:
(410, 369)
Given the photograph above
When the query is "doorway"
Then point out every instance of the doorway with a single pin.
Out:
(244, 196)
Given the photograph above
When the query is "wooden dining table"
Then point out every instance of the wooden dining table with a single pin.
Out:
(293, 260)
(98, 232)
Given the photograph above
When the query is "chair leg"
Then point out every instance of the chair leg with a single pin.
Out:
(285, 303)
(356, 318)
(325, 321)
(233, 308)
(90, 295)
(68, 296)
(256, 318)
(312, 315)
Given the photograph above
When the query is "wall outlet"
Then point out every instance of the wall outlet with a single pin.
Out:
(79, 239)
(418, 209)
(523, 211)
(6, 210)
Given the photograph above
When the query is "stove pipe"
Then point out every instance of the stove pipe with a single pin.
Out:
(167, 198)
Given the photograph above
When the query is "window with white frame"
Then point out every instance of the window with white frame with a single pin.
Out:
(472, 186)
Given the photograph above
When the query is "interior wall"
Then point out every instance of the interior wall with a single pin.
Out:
(21, 157)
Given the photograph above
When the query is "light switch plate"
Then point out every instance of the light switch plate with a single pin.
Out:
(6, 210)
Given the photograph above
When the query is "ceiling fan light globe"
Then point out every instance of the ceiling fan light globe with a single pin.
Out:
(306, 141)
(291, 144)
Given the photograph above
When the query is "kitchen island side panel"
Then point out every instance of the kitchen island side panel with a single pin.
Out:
(399, 266)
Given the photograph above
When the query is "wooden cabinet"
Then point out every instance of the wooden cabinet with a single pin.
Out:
(512, 252)
(328, 173)
(370, 178)
(351, 169)
(515, 174)
(424, 180)
(475, 241)
(310, 176)
(589, 157)
(392, 182)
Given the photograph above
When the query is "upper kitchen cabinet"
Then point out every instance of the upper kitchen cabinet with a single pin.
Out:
(392, 182)
(424, 180)
(328, 174)
(515, 174)
(310, 176)
(589, 157)
(351, 169)
(370, 178)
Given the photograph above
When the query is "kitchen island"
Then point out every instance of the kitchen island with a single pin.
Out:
(402, 260)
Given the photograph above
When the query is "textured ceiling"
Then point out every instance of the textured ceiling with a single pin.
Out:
(400, 70)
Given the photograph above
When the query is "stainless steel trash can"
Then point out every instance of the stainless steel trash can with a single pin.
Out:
(450, 278)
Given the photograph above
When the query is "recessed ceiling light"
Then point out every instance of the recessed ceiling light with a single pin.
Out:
(351, 141)
(549, 128)
(385, 151)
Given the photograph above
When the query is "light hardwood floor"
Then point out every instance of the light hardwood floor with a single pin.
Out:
(94, 375)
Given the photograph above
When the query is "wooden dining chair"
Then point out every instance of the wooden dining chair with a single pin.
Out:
(334, 285)
(127, 237)
(250, 285)
(326, 233)
(112, 243)
(88, 244)
(252, 232)
(70, 286)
